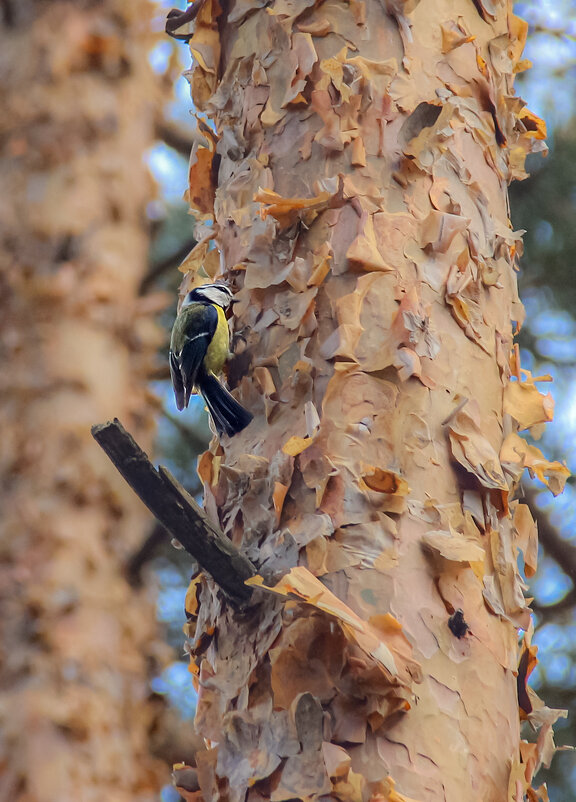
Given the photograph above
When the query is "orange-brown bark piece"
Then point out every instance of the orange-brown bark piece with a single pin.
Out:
(379, 147)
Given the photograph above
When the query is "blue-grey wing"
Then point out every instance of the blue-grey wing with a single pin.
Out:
(199, 330)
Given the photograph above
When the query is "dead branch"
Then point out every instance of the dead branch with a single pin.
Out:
(175, 136)
(167, 263)
(197, 443)
(177, 511)
(146, 551)
(559, 549)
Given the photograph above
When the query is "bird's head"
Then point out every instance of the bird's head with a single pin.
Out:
(219, 294)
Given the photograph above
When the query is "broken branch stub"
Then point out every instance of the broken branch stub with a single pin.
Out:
(177, 511)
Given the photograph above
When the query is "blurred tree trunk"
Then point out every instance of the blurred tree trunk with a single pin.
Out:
(361, 210)
(78, 99)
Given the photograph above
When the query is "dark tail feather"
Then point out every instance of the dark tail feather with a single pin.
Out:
(228, 415)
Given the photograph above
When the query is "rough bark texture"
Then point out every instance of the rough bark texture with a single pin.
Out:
(364, 151)
(77, 98)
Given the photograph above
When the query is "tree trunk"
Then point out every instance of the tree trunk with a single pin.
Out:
(78, 99)
(361, 211)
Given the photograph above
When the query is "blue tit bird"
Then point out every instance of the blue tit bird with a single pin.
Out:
(199, 347)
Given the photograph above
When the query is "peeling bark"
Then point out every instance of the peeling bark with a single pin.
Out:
(76, 641)
(359, 175)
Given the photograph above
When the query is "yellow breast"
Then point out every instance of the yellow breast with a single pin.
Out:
(217, 351)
